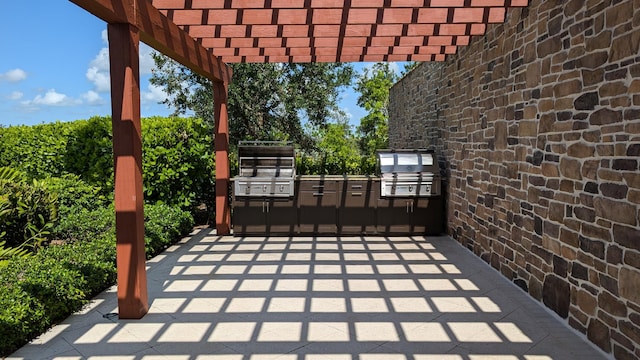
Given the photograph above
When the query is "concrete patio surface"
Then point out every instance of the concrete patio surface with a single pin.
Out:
(303, 298)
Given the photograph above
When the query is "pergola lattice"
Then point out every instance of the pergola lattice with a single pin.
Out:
(204, 35)
(334, 30)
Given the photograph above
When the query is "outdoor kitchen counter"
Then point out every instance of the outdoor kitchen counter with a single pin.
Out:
(338, 205)
(336, 177)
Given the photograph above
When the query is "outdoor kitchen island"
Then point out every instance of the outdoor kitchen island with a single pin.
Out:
(338, 205)
(405, 200)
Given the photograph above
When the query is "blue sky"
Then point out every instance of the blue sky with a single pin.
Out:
(55, 66)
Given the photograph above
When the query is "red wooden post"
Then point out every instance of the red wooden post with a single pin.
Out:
(124, 41)
(223, 210)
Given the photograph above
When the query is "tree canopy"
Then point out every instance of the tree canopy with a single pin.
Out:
(266, 101)
(294, 102)
(373, 86)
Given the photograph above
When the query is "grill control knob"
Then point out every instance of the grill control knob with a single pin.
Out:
(264, 188)
(281, 188)
(410, 188)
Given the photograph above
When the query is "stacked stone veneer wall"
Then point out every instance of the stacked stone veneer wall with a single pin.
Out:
(539, 124)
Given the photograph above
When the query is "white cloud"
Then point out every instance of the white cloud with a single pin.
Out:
(51, 98)
(98, 71)
(93, 98)
(146, 60)
(154, 94)
(100, 79)
(16, 95)
(14, 75)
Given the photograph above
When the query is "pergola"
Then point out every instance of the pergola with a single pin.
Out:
(204, 35)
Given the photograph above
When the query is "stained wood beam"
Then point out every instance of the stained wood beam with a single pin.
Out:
(157, 31)
(127, 155)
(223, 214)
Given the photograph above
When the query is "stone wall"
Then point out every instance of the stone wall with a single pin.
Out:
(539, 124)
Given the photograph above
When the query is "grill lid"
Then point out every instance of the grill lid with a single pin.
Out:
(266, 169)
(268, 159)
(406, 161)
(408, 173)
(261, 149)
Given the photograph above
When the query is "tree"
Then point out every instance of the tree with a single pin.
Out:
(266, 101)
(337, 151)
(373, 86)
(408, 67)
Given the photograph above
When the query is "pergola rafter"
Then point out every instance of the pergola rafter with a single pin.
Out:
(204, 34)
(334, 30)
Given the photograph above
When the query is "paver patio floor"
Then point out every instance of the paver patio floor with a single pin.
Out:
(304, 298)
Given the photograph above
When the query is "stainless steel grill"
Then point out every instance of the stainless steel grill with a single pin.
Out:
(266, 169)
(408, 173)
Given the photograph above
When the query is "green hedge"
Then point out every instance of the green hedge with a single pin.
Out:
(178, 163)
(38, 291)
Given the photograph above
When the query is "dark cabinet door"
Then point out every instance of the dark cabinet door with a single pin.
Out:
(427, 216)
(393, 216)
(249, 216)
(317, 212)
(282, 216)
(357, 209)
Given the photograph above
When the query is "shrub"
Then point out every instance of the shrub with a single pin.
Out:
(85, 225)
(29, 210)
(21, 314)
(163, 225)
(39, 151)
(89, 152)
(178, 163)
(94, 260)
(74, 194)
(38, 291)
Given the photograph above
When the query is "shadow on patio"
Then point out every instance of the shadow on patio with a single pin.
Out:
(303, 298)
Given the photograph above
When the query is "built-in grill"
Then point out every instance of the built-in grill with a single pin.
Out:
(408, 173)
(265, 169)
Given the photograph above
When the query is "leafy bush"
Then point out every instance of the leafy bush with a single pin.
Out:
(85, 225)
(38, 291)
(29, 210)
(74, 194)
(178, 162)
(337, 153)
(95, 260)
(89, 152)
(163, 225)
(39, 151)
(21, 314)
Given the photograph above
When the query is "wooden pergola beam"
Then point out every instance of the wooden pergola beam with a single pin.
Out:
(157, 31)
(129, 22)
(127, 161)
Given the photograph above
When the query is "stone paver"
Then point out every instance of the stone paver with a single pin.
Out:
(304, 298)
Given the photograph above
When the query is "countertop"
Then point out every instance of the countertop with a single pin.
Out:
(336, 177)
